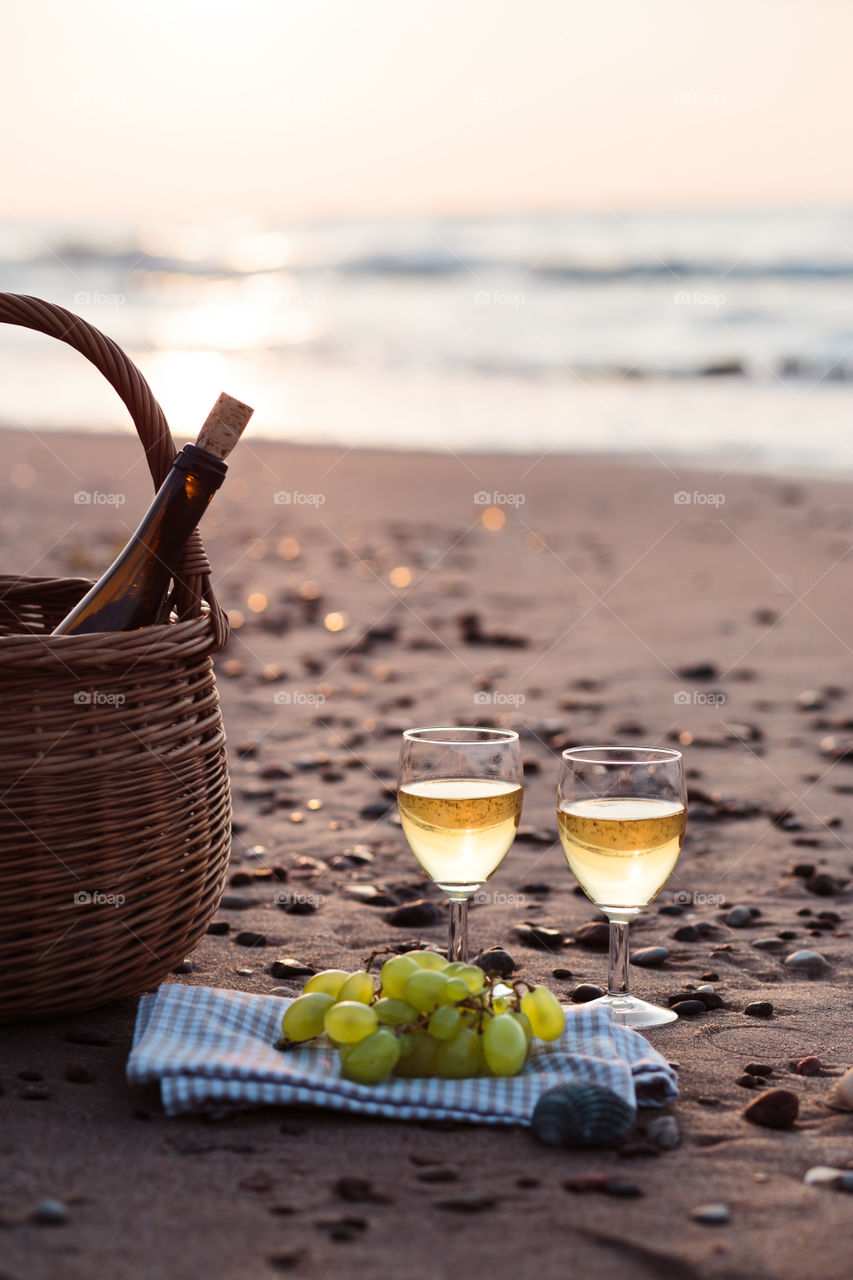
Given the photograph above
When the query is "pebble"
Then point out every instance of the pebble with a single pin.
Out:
(240, 879)
(810, 962)
(586, 1182)
(369, 894)
(768, 944)
(496, 960)
(298, 905)
(50, 1213)
(375, 811)
(623, 1187)
(586, 991)
(218, 927)
(823, 884)
(234, 902)
(700, 671)
(709, 977)
(534, 835)
(562, 974)
(78, 1074)
(186, 966)
(686, 933)
(738, 917)
(663, 1132)
(650, 957)
(438, 1173)
(688, 1008)
(244, 973)
(711, 1214)
(472, 1202)
(758, 1069)
(747, 1081)
(248, 938)
(414, 915)
(773, 1109)
(287, 967)
(35, 1093)
(539, 937)
(595, 935)
(809, 1066)
(759, 1009)
(360, 1191)
(87, 1035)
(709, 999)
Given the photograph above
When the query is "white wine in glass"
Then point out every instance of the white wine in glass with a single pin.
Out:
(621, 814)
(460, 794)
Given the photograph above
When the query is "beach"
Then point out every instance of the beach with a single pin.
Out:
(578, 600)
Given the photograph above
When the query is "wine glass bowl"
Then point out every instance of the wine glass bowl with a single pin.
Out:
(459, 794)
(621, 815)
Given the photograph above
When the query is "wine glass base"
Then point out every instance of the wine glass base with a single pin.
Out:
(629, 1011)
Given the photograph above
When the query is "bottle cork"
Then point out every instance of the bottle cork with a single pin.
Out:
(224, 426)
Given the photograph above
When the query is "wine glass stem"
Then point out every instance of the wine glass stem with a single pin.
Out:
(617, 977)
(458, 946)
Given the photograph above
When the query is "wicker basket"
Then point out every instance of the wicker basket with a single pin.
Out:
(115, 809)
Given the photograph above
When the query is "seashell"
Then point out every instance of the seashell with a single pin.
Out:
(581, 1114)
(840, 1096)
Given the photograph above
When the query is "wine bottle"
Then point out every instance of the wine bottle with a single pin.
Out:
(132, 592)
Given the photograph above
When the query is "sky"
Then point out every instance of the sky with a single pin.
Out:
(293, 109)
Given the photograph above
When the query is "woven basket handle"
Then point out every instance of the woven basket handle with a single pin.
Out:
(149, 420)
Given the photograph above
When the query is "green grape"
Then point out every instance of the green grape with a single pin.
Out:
(454, 990)
(358, 987)
(524, 1022)
(395, 974)
(501, 1004)
(460, 1057)
(424, 989)
(350, 1021)
(372, 1058)
(406, 1043)
(420, 1059)
(445, 1022)
(303, 1019)
(330, 981)
(391, 1011)
(471, 974)
(504, 1045)
(427, 959)
(546, 1015)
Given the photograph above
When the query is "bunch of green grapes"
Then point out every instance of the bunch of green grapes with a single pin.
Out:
(426, 1017)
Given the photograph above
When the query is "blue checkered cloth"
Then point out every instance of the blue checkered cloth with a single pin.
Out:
(212, 1050)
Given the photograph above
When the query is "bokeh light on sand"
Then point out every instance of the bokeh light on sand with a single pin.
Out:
(335, 621)
(493, 519)
(400, 577)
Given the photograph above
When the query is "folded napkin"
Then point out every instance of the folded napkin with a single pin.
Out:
(212, 1050)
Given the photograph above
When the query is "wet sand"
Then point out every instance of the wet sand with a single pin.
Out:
(580, 603)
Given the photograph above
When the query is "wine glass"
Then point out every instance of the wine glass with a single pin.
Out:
(621, 813)
(460, 792)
